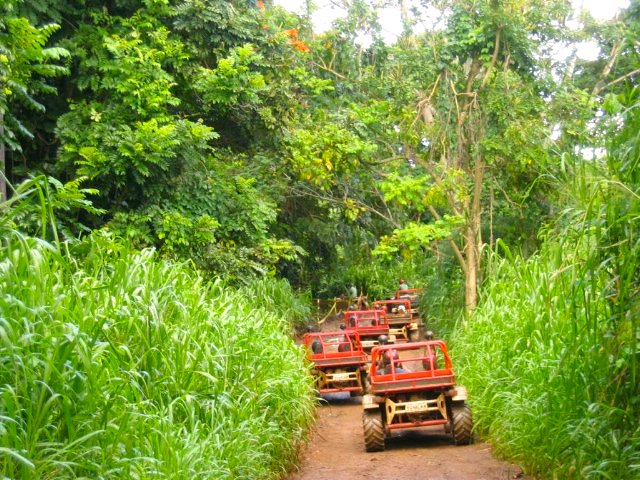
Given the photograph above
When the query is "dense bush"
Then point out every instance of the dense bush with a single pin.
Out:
(116, 364)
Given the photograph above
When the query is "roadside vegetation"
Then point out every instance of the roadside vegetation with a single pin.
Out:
(117, 363)
(552, 355)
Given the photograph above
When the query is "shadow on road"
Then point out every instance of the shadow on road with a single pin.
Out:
(342, 398)
(418, 439)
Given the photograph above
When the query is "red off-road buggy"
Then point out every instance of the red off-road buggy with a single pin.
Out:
(339, 362)
(412, 385)
(369, 324)
(413, 295)
(402, 323)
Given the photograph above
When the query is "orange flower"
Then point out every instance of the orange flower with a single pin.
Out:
(300, 45)
(260, 4)
(291, 33)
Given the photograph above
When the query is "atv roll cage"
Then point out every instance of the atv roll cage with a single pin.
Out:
(339, 361)
(369, 324)
(402, 321)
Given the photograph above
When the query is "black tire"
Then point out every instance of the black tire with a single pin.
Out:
(462, 424)
(373, 431)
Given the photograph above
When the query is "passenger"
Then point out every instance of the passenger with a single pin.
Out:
(403, 285)
(388, 357)
(363, 304)
(345, 344)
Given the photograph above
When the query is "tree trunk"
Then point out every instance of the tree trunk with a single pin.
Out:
(404, 15)
(471, 276)
(472, 239)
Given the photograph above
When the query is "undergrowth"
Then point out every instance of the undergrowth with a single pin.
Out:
(116, 364)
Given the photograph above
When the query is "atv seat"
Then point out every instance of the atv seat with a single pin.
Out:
(403, 381)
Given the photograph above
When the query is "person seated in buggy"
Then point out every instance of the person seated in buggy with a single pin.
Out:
(391, 355)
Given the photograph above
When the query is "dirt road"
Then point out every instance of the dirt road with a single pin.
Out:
(336, 452)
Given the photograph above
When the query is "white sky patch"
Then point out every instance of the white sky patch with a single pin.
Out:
(391, 22)
(590, 153)
(601, 9)
(327, 13)
(587, 50)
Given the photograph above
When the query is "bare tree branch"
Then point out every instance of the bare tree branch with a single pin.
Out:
(615, 51)
(623, 77)
(330, 70)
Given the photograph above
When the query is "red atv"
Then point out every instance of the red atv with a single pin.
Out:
(402, 323)
(370, 324)
(339, 363)
(413, 295)
(412, 385)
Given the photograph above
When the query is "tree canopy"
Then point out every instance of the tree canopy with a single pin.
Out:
(231, 134)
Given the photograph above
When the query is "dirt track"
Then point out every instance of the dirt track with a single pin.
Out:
(336, 450)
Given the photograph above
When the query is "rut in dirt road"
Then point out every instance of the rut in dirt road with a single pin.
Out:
(336, 452)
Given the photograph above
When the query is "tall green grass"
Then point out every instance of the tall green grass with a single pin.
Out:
(550, 378)
(277, 296)
(115, 364)
(552, 356)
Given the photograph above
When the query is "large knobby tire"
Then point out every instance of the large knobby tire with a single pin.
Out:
(373, 431)
(462, 424)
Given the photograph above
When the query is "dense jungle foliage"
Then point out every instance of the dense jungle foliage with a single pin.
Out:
(179, 176)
